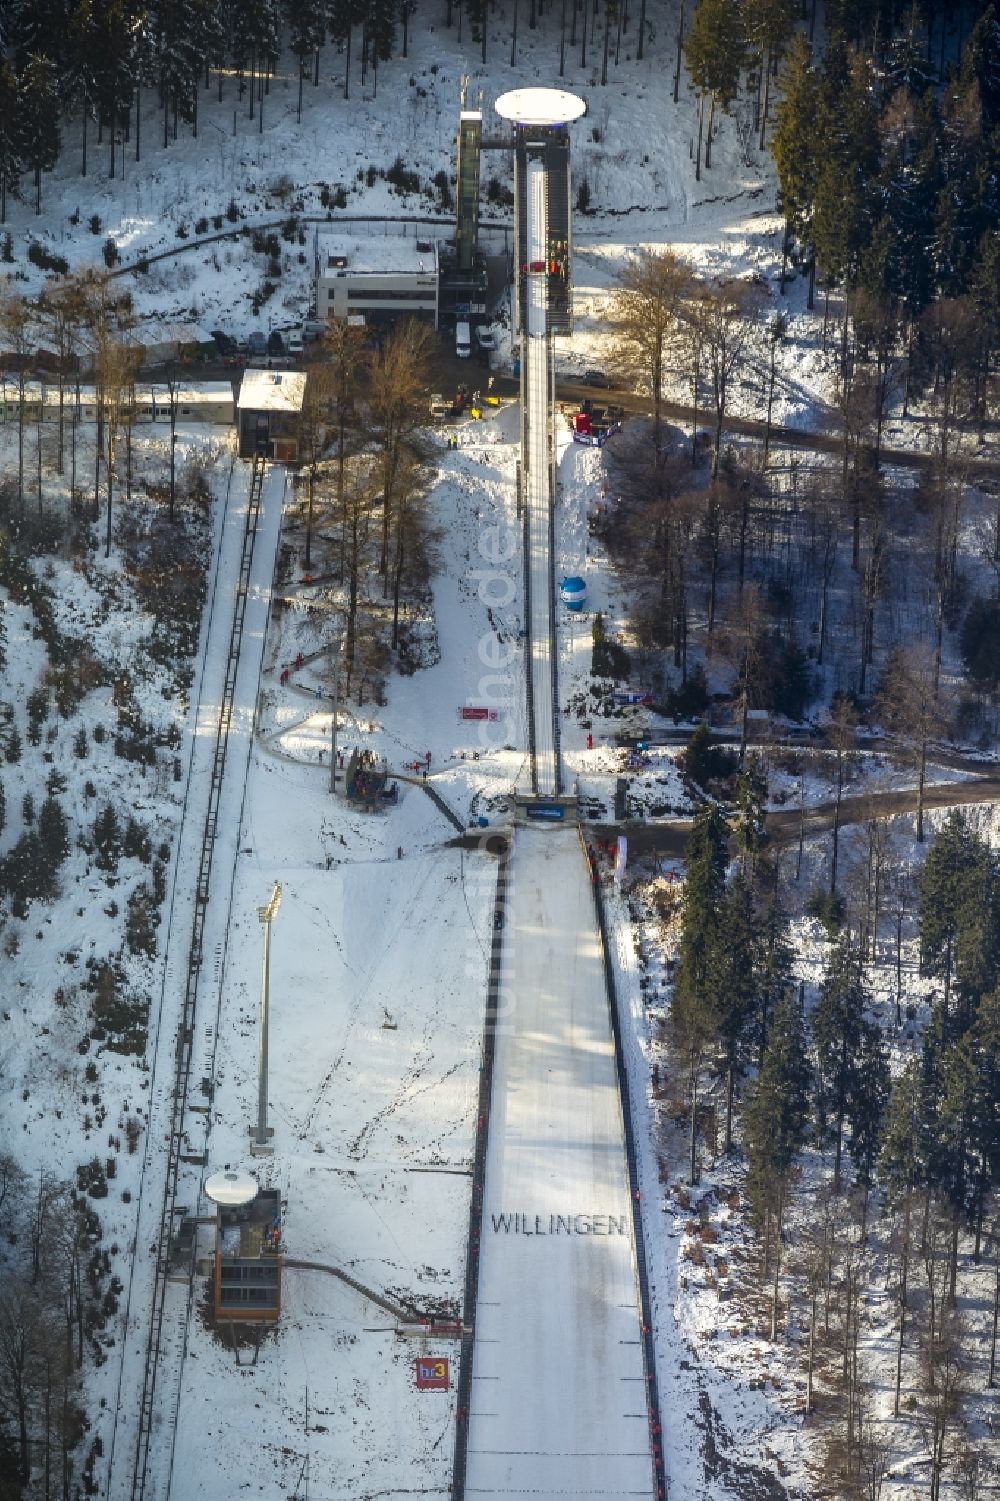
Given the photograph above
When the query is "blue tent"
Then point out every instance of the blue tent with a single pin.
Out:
(573, 593)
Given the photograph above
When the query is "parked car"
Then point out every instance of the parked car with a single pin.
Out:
(294, 342)
(225, 345)
(256, 344)
(595, 378)
(485, 337)
(275, 343)
(313, 329)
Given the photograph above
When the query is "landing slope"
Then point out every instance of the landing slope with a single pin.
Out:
(558, 1403)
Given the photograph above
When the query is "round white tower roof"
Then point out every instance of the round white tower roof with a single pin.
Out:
(231, 1189)
(540, 107)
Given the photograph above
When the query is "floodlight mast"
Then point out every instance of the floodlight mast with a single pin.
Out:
(260, 1144)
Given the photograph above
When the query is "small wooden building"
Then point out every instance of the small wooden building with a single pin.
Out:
(269, 407)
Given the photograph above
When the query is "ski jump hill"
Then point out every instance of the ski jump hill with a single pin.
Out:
(562, 1399)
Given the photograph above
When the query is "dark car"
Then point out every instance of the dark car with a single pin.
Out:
(595, 378)
(226, 346)
(256, 344)
(275, 343)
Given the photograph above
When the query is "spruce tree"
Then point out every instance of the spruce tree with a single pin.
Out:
(775, 1125)
(838, 1024)
(751, 801)
(981, 63)
(11, 155)
(53, 832)
(38, 118)
(774, 970)
(734, 965)
(306, 20)
(867, 1105)
(902, 1167)
(959, 916)
(795, 148)
(715, 49)
(693, 1008)
(107, 839)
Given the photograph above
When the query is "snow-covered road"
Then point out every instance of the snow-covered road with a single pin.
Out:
(558, 1404)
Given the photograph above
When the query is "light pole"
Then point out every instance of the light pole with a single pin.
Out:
(259, 1146)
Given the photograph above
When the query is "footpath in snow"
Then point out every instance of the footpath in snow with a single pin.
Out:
(558, 1404)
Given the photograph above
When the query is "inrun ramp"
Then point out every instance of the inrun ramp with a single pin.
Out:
(558, 1405)
(536, 462)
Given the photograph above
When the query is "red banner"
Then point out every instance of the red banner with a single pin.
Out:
(479, 715)
(432, 1373)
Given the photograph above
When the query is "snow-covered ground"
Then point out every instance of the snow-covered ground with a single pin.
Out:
(378, 962)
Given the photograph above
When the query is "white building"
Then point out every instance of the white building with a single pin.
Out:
(194, 401)
(376, 278)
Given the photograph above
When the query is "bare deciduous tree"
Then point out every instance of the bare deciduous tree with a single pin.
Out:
(398, 394)
(644, 322)
(912, 710)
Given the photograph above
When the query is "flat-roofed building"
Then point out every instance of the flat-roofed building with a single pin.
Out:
(380, 278)
(194, 401)
(269, 408)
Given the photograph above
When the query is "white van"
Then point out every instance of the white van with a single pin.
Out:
(463, 340)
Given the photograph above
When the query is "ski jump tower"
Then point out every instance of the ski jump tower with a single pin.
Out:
(543, 303)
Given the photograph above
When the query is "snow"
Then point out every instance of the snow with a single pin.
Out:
(540, 107)
(272, 391)
(372, 255)
(558, 1399)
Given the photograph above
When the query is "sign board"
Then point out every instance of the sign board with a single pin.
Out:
(551, 811)
(637, 696)
(479, 714)
(432, 1373)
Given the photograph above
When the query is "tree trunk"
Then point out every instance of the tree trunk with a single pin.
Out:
(83, 168)
(708, 134)
(693, 1162)
(921, 777)
(812, 1352)
(836, 823)
(991, 1378)
(778, 1221)
(767, 100)
(680, 47)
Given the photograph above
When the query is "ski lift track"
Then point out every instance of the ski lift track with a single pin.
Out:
(186, 1032)
(152, 1037)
